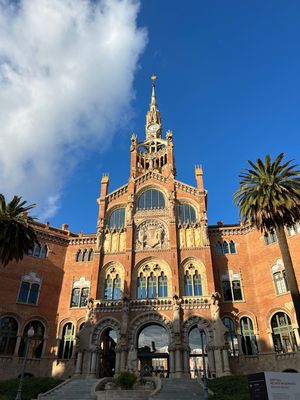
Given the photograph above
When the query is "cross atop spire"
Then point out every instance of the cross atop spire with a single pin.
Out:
(153, 118)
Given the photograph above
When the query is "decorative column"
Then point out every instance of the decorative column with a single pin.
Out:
(218, 362)
(18, 341)
(178, 361)
(296, 333)
(78, 369)
(92, 373)
(211, 361)
(186, 361)
(118, 360)
(226, 361)
(171, 361)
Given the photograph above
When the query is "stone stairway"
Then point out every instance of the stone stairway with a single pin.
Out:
(179, 389)
(74, 389)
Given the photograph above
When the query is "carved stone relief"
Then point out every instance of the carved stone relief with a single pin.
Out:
(192, 236)
(151, 234)
(114, 242)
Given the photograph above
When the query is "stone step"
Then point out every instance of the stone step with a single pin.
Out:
(75, 389)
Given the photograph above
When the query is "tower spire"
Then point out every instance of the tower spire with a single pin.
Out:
(153, 117)
(153, 104)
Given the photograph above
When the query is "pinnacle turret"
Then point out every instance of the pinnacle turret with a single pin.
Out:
(153, 117)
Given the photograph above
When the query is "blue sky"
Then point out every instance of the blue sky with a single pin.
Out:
(228, 87)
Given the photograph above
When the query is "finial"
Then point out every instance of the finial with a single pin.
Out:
(153, 78)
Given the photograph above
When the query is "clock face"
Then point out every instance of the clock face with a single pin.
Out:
(153, 128)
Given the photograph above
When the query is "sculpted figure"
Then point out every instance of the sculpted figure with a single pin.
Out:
(90, 309)
(215, 308)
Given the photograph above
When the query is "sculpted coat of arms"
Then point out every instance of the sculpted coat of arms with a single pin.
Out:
(151, 235)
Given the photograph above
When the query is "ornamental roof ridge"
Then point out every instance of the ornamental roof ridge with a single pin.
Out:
(118, 192)
(150, 175)
(188, 188)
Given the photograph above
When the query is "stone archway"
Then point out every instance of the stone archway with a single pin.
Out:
(193, 351)
(105, 340)
(146, 355)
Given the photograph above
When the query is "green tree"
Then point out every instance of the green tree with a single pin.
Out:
(269, 197)
(16, 234)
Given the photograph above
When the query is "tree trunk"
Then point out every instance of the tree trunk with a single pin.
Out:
(289, 271)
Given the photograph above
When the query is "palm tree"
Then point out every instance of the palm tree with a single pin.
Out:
(269, 197)
(16, 234)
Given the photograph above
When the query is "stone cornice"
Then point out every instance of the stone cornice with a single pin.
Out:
(52, 237)
(83, 240)
(228, 230)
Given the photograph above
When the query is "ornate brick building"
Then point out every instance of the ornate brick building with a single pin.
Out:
(137, 293)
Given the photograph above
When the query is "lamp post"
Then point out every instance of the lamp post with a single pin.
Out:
(204, 367)
(30, 333)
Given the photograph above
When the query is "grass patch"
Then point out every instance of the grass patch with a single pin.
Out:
(31, 387)
(230, 388)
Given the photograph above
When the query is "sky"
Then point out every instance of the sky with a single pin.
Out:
(74, 86)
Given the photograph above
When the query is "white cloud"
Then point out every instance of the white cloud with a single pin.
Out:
(66, 73)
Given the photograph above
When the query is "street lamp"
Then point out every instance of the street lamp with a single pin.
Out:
(204, 366)
(30, 333)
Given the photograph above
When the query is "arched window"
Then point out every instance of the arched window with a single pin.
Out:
(280, 282)
(108, 292)
(225, 247)
(80, 293)
(219, 248)
(162, 285)
(197, 284)
(196, 349)
(152, 293)
(152, 281)
(231, 337)
(232, 249)
(79, 256)
(116, 219)
(151, 199)
(186, 213)
(85, 255)
(66, 343)
(29, 289)
(8, 335)
(91, 255)
(188, 284)
(282, 333)
(249, 344)
(113, 279)
(37, 250)
(141, 287)
(117, 288)
(232, 288)
(35, 344)
(279, 277)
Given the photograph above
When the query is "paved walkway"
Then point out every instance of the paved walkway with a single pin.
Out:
(180, 389)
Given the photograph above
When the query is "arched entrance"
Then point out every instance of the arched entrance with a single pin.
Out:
(153, 354)
(196, 358)
(108, 342)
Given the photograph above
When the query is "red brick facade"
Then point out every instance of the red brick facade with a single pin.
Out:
(153, 239)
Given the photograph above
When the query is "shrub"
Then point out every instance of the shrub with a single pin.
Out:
(126, 380)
